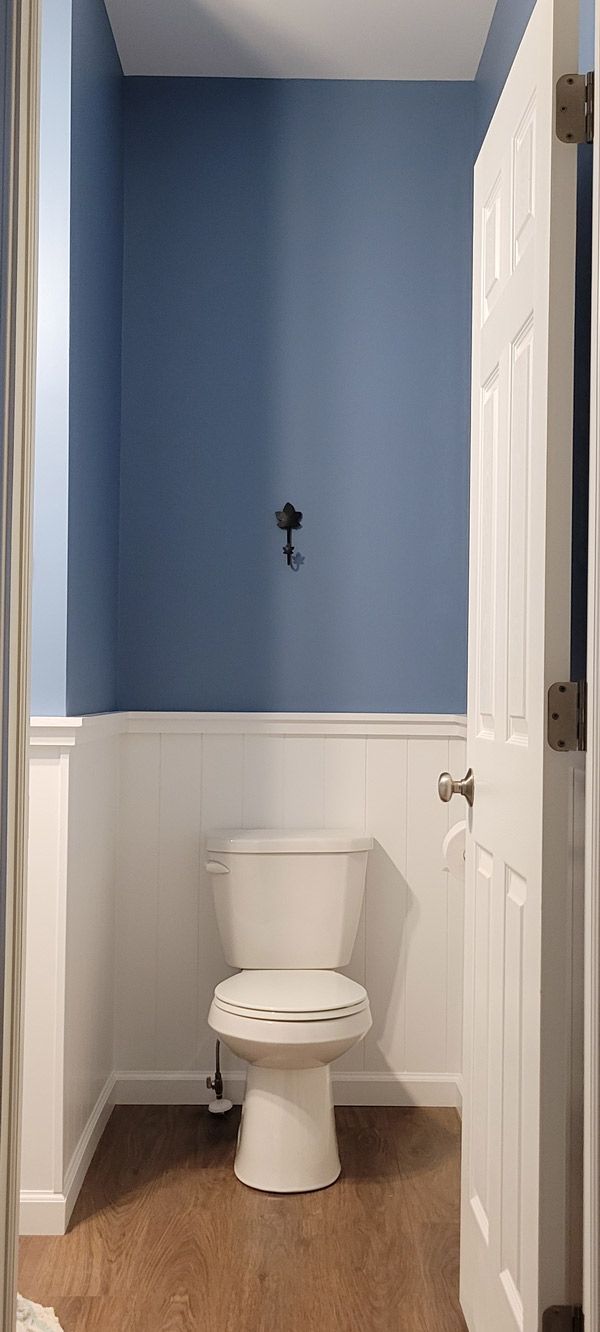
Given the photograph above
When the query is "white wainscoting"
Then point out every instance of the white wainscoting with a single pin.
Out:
(70, 952)
(181, 775)
(122, 947)
(123, 952)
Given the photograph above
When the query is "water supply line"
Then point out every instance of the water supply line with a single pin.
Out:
(220, 1105)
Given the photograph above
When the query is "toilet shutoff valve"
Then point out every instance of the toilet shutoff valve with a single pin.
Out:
(221, 1105)
(216, 1084)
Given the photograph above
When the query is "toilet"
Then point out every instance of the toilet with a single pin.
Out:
(288, 906)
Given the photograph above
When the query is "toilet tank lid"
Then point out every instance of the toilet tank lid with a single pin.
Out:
(265, 841)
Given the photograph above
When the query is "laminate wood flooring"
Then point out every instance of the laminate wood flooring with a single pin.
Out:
(165, 1239)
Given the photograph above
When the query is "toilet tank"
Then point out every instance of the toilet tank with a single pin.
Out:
(287, 899)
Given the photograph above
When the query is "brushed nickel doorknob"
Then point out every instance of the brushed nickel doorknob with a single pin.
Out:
(447, 787)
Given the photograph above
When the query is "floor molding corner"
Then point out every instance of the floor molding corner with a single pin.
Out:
(42, 1212)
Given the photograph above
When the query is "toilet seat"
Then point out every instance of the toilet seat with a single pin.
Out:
(291, 996)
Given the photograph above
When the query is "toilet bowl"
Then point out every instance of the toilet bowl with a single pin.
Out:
(289, 1026)
(287, 907)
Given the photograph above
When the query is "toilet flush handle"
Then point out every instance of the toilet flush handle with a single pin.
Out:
(215, 867)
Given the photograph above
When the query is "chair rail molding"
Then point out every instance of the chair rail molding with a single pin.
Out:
(394, 725)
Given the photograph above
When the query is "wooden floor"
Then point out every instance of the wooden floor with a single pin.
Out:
(165, 1239)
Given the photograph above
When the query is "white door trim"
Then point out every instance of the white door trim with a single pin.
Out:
(591, 1256)
(18, 372)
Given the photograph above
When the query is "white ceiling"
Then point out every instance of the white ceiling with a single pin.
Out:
(302, 39)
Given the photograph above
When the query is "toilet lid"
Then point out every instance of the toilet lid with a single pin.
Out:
(291, 996)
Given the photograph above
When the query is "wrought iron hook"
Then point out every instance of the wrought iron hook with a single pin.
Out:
(289, 520)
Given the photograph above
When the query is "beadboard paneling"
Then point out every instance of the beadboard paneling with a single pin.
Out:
(137, 939)
(426, 985)
(388, 920)
(178, 854)
(374, 773)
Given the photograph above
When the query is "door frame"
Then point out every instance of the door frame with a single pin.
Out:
(18, 312)
(592, 828)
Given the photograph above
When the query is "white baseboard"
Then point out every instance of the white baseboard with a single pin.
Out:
(88, 1142)
(150, 1088)
(44, 1212)
(424, 1089)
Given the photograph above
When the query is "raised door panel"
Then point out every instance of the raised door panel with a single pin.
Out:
(517, 647)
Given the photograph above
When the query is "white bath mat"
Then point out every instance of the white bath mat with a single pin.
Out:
(32, 1318)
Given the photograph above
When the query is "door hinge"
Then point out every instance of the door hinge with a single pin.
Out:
(566, 715)
(575, 108)
(563, 1318)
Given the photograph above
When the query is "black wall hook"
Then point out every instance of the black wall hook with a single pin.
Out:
(289, 520)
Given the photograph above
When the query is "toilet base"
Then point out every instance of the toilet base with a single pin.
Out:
(287, 1141)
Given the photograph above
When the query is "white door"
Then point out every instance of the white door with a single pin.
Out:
(514, 1242)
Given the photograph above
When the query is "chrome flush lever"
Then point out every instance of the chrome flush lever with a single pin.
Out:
(447, 787)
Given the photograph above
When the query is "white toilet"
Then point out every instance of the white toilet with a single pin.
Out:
(288, 906)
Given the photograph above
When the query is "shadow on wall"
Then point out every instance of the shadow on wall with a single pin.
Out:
(238, 34)
(385, 883)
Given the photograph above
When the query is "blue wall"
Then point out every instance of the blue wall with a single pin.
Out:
(296, 315)
(295, 326)
(95, 361)
(586, 38)
(78, 388)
